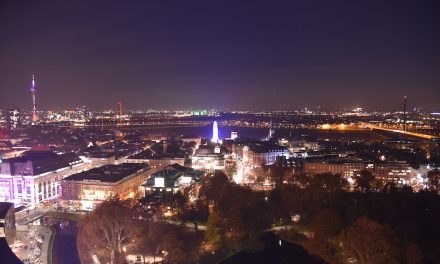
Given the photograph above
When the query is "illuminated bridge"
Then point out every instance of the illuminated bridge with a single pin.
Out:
(413, 134)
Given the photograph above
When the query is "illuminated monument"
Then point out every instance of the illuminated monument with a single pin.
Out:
(215, 132)
(271, 131)
(34, 109)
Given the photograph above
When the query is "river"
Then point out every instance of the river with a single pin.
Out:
(259, 133)
(65, 250)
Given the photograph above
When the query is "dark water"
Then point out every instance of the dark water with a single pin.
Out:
(260, 133)
(64, 246)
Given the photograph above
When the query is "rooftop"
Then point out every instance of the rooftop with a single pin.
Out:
(172, 172)
(109, 173)
(264, 147)
(43, 161)
(150, 154)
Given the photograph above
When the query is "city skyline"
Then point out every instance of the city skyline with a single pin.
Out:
(223, 132)
(253, 57)
(119, 107)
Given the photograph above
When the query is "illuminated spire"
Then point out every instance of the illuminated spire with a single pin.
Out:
(34, 108)
(33, 83)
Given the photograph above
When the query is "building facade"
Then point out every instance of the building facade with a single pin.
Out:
(256, 153)
(87, 189)
(345, 169)
(35, 177)
(172, 178)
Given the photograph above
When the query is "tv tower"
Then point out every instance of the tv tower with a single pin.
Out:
(34, 109)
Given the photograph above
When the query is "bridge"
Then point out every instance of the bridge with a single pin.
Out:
(408, 133)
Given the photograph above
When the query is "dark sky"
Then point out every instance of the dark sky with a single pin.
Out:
(221, 54)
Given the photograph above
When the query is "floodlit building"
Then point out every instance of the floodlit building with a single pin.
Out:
(215, 137)
(172, 178)
(398, 172)
(256, 153)
(34, 177)
(87, 189)
(13, 119)
(157, 160)
(208, 159)
(345, 169)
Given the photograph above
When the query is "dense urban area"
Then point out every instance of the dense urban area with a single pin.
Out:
(212, 186)
(220, 132)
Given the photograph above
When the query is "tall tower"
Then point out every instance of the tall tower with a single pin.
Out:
(404, 113)
(215, 132)
(34, 108)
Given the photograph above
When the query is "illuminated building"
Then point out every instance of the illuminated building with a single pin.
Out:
(13, 119)
(345, 169)
(158, 160)
(208, 160)
(87, 189)
(34, 108)
(172, 178)
(34, 176)
(397, 172)
(234, 135)
(215, 138)
(256, 153)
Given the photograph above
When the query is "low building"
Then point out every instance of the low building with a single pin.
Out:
(256, 153)
(96, 157)
(397, 172)
(157, 160)
(208, 159)
(34, 177)
(347, 169)
(87, 189)
(172, 178)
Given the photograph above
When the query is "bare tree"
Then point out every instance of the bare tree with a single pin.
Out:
(108, 227)
(369, 242)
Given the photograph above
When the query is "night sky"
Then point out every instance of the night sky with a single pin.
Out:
(222, 54)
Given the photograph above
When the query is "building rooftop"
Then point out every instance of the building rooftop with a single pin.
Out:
(109, 173)
(149, 154)
(264, 147)
(333, 160)
(42, 161)
(172, 172)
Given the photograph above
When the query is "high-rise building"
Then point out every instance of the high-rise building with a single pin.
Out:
(215, 132)
(34, 108)
(13, 119)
